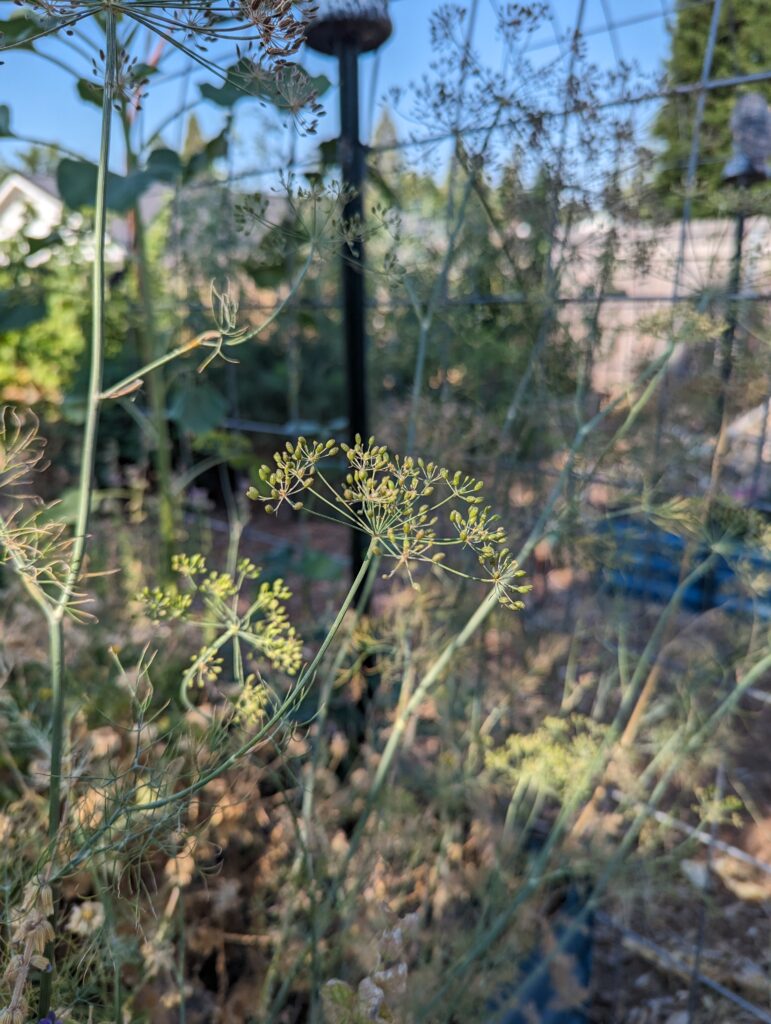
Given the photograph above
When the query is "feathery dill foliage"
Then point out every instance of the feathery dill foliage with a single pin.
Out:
(32, 540)
(414, 511)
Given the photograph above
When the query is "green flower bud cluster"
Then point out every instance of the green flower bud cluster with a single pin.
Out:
(412, 510)
(163, 604)
(205, 668)
(294, 473)
(249, 709)
(216, 599)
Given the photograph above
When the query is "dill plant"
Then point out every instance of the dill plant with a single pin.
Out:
(419, 519)
(49, 558)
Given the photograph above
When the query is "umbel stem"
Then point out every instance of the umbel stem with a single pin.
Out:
(87, 463)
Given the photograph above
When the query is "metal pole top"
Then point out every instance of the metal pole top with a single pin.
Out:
(358, 25)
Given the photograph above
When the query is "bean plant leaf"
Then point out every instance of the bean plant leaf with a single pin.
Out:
(36, 244)
(17, 33)
(65, 508)
(164, 165)
(198, 407)
(328, 152)
(266, 274)
(318, 566)
(291, 86)
(93, 92)
(90, 91)
(241, 81)
(76, 180)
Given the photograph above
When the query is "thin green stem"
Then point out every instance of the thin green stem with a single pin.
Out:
(325, 695)
(88, 460)
(156, 390)
(88, 453)
(135, 379)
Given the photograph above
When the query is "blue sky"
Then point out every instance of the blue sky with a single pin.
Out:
(45, 105)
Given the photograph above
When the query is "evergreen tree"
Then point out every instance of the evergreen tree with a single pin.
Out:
(743, 46)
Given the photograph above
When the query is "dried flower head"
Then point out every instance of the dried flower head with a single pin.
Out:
(86, 918)
(274, 30)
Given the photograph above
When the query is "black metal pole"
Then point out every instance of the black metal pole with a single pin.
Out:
(726, 363)
(352, 165)
(729, 334)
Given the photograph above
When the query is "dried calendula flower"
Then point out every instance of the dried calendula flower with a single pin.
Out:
(86, 918)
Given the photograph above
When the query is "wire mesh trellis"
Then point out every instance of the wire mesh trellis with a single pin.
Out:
(684, 267)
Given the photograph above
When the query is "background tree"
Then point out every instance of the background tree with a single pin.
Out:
(743, 46)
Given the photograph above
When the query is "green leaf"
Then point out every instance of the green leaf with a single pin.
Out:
(90, 91)
(16, 314)
(15, 33)
(241, 81)
(198, 407)
(266, 275)
(76, 180)
(200, 162)
(164, 165)
(328, 152)
(36, 244)
(140, 72)
(5, 121)
(291, 86)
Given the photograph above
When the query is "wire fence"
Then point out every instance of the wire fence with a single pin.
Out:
(688, 265)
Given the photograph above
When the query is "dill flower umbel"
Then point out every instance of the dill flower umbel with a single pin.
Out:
(413, 511)
(262, 630)
(274, 28)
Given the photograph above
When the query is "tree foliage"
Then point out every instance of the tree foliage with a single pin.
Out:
(742, 47)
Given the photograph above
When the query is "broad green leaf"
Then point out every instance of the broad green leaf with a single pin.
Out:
(266, 275)
(328, 152)
(140, 72)
(164, 165)
(277, 88)
(65, 509)
(291, 87)
(76, 180)
(239, 82)
(36, 244)
(198, 407)
(318, 566)
(16, 33)
(91, 92)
